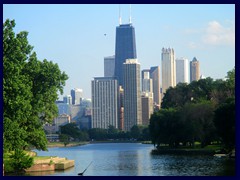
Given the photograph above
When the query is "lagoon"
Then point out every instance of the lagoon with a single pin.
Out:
(135, 159)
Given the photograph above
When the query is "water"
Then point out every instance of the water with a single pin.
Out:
(135, 159)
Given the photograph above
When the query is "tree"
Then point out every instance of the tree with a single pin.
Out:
(70, 129)
(225, 122)
(17, 161)
(30, 89)
(177, 96)
(65, 139)
(165, 127)
(97, 134)
(198, 122)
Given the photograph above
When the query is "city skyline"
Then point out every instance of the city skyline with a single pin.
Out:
(79, 39)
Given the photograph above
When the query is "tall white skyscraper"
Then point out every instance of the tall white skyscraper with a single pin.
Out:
(132, 94)
(104, 102)
(77, 95)
(168, 69)
(182, 70)
(109, 66)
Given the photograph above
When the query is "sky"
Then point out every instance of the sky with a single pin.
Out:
(73, 36)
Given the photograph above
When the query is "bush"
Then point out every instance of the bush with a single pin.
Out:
(17, 161)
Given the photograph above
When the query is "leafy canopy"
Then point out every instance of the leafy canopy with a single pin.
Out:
(30, 89)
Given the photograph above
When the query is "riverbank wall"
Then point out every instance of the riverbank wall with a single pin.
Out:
(51, 164)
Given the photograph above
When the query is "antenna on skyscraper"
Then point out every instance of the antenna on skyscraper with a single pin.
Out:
(130, 17)
(120, 19)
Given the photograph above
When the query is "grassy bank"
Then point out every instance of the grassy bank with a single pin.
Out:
(60, 144)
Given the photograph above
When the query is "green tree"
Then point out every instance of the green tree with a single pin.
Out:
(65, 138)
(165, 127)
(112, 132)
(30, 89)
(18, 161)
(71, 129)
(177, 96)
(97, 134)
(198, 122)
(224, 120)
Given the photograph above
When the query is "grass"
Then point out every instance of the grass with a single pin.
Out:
(60, 144)
(43, 157)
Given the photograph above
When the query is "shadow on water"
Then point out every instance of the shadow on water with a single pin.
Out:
(228, 168)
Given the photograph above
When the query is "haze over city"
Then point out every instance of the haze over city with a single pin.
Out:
(78, 37)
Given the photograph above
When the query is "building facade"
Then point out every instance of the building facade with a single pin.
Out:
(125, 48)
(104, 102)
(147, 107)
(77, 95)
(168, 69)
(61, 120)
(132, 94)
(182, 70)
(109, 66)
(194, 70)
(67, 99)
(147, 85)
(155, 76)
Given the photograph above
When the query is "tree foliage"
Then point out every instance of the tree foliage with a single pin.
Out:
(65, 138)
(19, 160)
(74, 132)
(30, 89)
(203, 111)
(225, 123)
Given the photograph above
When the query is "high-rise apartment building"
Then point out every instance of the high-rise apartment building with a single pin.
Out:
(147, 96)
(155, 76)
(147, 85)
(109, 66)
(67, 99)
(194, 70)
(168, 69)
(147, 107)
(104, 102)
(125, 48)
(132, 94)
(77, 95)
(182, 70)
(121, 108)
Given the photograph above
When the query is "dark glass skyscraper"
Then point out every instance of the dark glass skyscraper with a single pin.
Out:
(125, 48)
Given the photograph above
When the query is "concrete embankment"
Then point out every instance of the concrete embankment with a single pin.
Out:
(51, 164)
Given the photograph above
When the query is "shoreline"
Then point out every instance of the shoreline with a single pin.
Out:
(59, 144)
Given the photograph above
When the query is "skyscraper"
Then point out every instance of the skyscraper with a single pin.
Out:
(77, 95)
(132, 94)
(194, 70)
(147, 107)
(147, 85)
(147, 96)
(125, 48)
(67, 99)
(155, 76)
(109, 66)
(104, 102)
(182, 70)
(168, 69)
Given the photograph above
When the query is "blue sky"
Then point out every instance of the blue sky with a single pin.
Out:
(73, 35)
